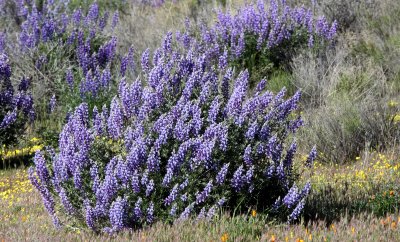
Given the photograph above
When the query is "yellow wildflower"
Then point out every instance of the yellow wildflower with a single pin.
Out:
(333, 228)
(392, 103)
(253, 213)
(224, 237)
(396, 118)
(34, 140)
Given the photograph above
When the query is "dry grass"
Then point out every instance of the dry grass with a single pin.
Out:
(145, 27)
(347, 88)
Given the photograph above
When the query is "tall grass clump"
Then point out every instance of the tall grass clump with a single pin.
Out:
(144, 26)
(104, 5)
(350, 92)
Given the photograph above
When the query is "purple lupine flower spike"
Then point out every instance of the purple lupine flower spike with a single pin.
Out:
(311, 157)
(115, 19)
(52, 103)
(145, 61)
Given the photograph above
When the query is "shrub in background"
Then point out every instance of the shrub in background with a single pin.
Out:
(350, 15)
(258, 38)
(16, 108)
(347, 127)
(76, 42)
(261, 38)
(13, 13)
(67, 55)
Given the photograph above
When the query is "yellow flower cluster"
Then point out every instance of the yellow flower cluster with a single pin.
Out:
(30, 150)
(351, 230)
(390, 222)
(396, 118)
(392, 103)
(224, 237)
(11, 188)
(113, 145)
(361, 175)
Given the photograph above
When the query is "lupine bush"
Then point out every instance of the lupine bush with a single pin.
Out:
(85, 51)
(13, 12)
(16, 108)
(185, 141)
(69, 56)
(186, 138)
(349, 14)
(261, 37)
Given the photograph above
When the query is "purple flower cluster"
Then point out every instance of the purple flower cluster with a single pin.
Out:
(16, 105)
(48, 24)
(52, 103)
(270, 24)
(77, 34)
